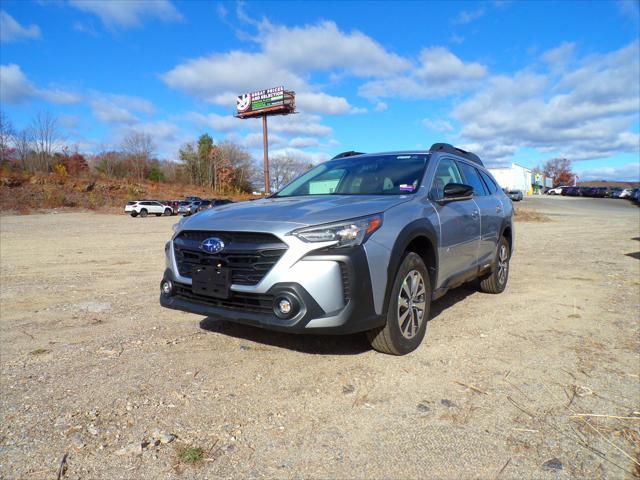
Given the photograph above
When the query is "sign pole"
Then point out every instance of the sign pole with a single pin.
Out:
(265, 146)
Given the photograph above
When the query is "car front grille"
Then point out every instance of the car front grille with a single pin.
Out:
(239, 300)
(248, 255)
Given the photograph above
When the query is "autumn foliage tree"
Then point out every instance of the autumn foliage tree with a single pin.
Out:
(559, 169)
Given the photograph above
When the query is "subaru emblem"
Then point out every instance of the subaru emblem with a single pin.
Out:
(212, 245)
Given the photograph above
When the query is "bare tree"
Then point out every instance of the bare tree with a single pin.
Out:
(6, 136)
(46, 136)
(108, 163)
(140, 149)
(283, 169)
(23, 141)
(241, 161)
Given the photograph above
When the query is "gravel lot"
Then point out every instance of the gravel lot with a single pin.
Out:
(93, 368)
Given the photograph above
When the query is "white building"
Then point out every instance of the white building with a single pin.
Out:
(515, 177)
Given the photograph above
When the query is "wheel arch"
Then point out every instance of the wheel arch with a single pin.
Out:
(419, 237)
(507, 232)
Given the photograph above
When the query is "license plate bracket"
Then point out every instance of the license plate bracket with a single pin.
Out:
(211, 281)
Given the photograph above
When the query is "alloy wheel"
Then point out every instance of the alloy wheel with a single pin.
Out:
(411, 304)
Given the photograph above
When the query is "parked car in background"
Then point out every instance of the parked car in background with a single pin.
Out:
(595, 192)
(202, 205)
(571, 191)
(514, 195)
(146, 207)
(174, 204)
(192, 199)
(622, 193)
(634, 196)
(556, 190)
(188, 208)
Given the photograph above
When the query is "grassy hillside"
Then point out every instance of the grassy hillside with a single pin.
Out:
(25, 193)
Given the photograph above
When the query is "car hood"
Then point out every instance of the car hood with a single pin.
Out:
(281, 215)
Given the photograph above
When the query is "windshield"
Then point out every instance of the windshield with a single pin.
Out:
(371, 175)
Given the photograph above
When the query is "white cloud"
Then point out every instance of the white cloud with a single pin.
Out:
(581, 113)
(218, 122)
(302, 124)
(286, 56)
(629, 172)
(560, 54)
(381, 107)
(322, 103)
(303, 142)
(323, 47)
(14, 85)
(12, 31)
(119, 109)
(128, 13)
(16, 88)
(438, 73)
(438, 125)
(219, 78)
(467, 16)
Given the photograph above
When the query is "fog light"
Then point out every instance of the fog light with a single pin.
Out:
(166, 287)
(284, 306)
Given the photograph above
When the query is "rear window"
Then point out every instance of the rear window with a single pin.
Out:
(489, 182)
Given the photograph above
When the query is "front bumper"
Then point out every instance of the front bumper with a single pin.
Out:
(354, 312)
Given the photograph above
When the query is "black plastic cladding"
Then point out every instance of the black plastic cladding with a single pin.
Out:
(445, 147)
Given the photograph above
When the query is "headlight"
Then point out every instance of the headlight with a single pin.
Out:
(346, 234)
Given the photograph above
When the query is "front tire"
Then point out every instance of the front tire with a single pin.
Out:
(408, 310)
(167, 212)
(497, 281)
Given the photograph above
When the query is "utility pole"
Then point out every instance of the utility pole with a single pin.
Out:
(265, 146)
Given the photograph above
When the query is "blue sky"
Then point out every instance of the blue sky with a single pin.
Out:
(512, 81)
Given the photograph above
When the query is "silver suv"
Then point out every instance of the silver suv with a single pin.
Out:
(360, 243)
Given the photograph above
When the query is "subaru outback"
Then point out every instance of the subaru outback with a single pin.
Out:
(360, 243)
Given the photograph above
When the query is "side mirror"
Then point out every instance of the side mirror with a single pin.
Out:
(457, 191)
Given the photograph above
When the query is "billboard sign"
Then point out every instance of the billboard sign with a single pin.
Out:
(274, 100)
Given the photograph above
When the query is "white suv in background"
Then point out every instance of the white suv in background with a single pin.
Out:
(145, 207)
(557, 190)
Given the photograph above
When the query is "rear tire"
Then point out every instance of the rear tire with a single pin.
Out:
(408, 310)
(497, 281)
(134, 214)
(143, 213)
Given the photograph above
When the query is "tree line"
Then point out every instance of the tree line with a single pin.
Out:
(223, 167)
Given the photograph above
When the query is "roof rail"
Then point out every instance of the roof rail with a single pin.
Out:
(350, 153)
(445, 147)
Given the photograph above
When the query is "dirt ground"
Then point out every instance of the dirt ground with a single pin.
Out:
(93, 370)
